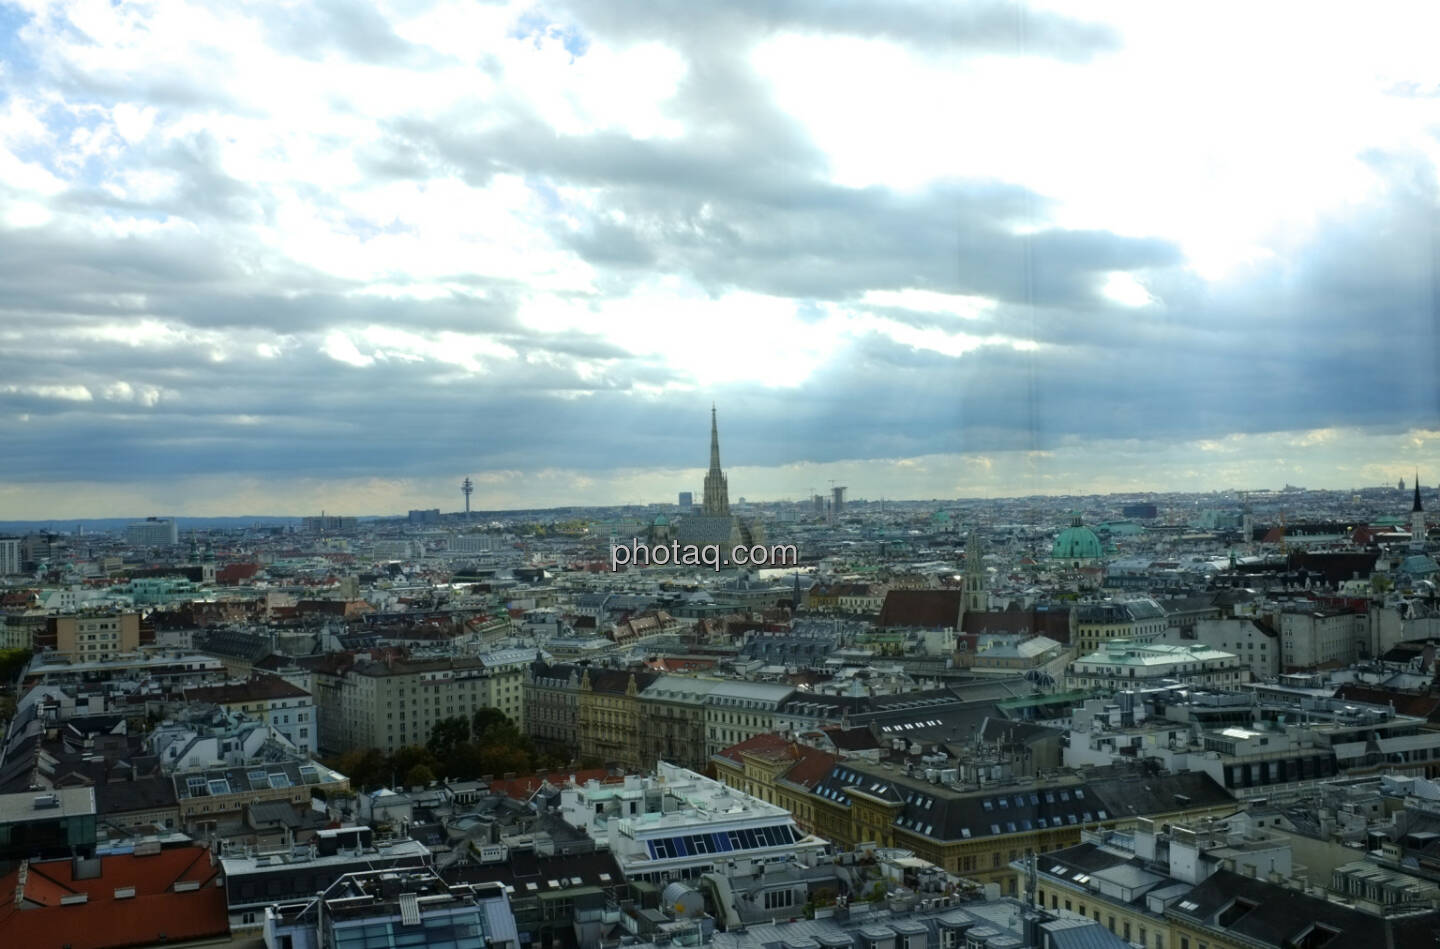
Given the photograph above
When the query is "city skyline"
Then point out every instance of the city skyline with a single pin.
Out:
(348, 256)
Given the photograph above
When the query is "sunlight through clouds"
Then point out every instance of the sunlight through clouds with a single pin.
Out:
(884, 239)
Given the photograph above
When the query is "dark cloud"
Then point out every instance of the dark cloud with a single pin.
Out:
(1339, 331)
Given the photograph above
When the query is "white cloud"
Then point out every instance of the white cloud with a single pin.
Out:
(339, 347)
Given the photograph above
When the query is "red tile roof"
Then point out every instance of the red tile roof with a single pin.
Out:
(522, 789)
(156, 913)
(765, 746)
(927, 609)
(260, 688)
(1421, 706)
(812, 767)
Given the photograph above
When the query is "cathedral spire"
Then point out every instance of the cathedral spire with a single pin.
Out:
(1417, 521)
(717, 493)
(715, 447)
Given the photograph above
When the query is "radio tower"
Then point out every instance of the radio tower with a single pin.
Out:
(467, 488)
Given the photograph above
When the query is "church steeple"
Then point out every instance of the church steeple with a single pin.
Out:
(976, 599)
(717, 492)
(1417, 521)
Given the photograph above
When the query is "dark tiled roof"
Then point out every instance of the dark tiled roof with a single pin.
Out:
(1054, 624)
(260, 688)
(926, 609)
(940, 813)
(1421, 706)
(1281, 916)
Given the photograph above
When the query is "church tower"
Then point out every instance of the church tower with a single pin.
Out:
(1417, 520)
(717, 492)
(977, 600)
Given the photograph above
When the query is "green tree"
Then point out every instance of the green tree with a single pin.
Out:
(419, 776)
(491, 726)
(365, 767)
(446, 735)
(12, 661)
(466, 762)
(409, 757)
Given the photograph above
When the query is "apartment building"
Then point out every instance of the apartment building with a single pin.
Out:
(552, 708)
(388, 704)
(1126, 880)
(10, 556)
(1314, 637)
(285, 707)
(1140, 619)
(673, 708)
(96, 637)
(735, 711)
(1258, 745)
(962, 820)
(608, 717)
(209, 796)
(1254, 640)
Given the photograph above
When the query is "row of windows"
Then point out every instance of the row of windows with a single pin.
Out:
(749, 838)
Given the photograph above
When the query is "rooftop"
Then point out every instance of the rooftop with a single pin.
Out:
(46, 805)
(121, 900)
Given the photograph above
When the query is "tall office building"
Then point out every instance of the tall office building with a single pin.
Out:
(153, 532)
(9, 555)
(687, 502)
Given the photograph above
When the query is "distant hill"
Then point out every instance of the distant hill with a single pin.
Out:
(112, 524)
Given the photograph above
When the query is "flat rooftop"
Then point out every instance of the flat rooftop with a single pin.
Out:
(68, 802)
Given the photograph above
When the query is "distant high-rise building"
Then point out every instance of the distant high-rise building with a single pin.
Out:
(153, 532)
(9, 556)
(1401, 485)
(837, 500)
(1141, 511)
(687, 501)
(819, 501)
(427, 516)
(328, 522)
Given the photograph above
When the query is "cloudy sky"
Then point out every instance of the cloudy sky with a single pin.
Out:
(272, 258)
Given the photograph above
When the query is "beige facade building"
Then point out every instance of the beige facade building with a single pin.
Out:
(94, 637)
(735, 711)
(1140, 619)
(609, 720)
(391, 704)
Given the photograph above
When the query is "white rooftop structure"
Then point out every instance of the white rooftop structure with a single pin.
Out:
(678, 824)
(1124, 663)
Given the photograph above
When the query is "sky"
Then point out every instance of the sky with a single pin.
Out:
(278, 258)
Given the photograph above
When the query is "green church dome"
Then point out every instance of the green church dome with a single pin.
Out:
(1077, 542)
